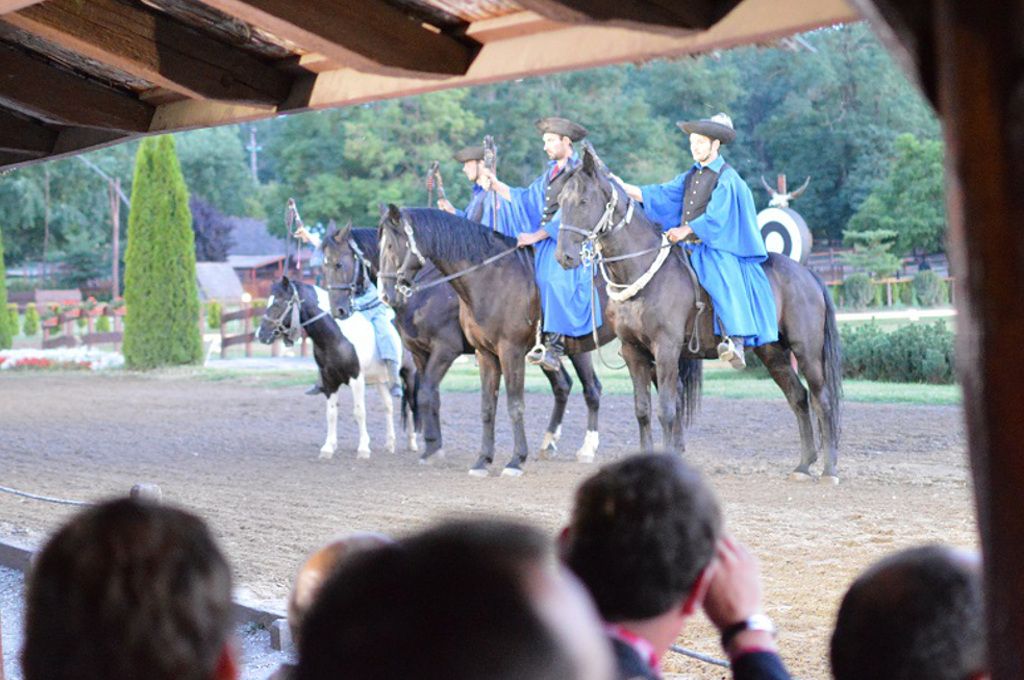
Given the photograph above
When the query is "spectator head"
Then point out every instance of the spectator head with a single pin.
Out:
(319, 567)
(465, 601)
(129, 589)
(642, 534)
(915, 614)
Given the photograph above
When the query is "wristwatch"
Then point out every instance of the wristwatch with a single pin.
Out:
(754, 622)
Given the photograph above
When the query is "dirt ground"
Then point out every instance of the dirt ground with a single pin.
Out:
(243, 455)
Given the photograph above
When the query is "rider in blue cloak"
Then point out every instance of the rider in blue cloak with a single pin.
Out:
(482, 204)
(709, 210)
(565, 295)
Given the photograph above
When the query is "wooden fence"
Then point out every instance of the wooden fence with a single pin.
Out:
(67, 319)
(245, 314)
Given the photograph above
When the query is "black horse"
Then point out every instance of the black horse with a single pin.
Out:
(654, 323)
(429, 325)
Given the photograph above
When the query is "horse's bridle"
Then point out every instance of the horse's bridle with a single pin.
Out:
(604, 225)
(360, 273)
(294, 328)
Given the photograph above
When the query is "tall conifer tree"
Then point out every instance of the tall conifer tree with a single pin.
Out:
(162, 300)
(7, 329)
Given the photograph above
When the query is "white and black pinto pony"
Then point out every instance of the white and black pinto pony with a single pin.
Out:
(346, 354)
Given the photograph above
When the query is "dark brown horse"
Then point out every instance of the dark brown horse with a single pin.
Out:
(499, 312)
(429, 325)
(659, 321)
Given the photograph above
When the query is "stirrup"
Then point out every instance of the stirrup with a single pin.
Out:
(733, 354)
(536, 355)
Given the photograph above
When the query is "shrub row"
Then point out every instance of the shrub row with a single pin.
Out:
(926, 289)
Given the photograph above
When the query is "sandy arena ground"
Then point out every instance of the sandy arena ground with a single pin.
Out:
(243, 456)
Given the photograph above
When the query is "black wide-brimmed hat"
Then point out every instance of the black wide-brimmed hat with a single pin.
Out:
(718, 126)
(470, 153)
(563, 127)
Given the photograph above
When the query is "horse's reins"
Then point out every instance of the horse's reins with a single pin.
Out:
(407, 291)
(294, 328)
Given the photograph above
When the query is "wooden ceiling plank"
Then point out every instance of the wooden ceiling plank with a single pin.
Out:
(7, 6)
(43, 91)
(19, 135)
(651, 15)
(367, 35)
(154, 47)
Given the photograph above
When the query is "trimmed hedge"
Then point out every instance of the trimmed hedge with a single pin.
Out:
(160, 264)
(858, 291)
(103, 324)
(30, 324)
(213, 312)
(930, 289)
(913, 353)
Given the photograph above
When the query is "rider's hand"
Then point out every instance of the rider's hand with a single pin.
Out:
(446, 205)
(303, 234)
(677, 234)
(524, 240)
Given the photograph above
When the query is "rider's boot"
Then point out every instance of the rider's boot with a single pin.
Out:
(394, 378)
(731, 350)
(554, 350)
(316, 389)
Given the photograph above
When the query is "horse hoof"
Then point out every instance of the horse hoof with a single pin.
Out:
(326, 453)
(585, 457)
(363, 455)
(479, 468)
(832, 480)
(511, 470)
(802, 477)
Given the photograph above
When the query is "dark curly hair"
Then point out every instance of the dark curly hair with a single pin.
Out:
(641, 532)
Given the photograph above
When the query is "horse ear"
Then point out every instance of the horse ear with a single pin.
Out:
(394, 214)
(284, 281)
(589, 161)
(342, 234)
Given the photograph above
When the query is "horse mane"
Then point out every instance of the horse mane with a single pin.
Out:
(453, 238)
(366, 239)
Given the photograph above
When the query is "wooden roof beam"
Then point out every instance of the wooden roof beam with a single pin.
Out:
(14, 5)
(23, 136)
(367, 35)
(40, 90)
(662, 16)
(154, 47)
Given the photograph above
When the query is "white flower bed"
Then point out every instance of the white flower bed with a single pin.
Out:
(72, 357)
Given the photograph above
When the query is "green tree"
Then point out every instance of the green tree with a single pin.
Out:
(871, 251)
(909, 200)
(7, 329)
(161, 325)
(215, 169)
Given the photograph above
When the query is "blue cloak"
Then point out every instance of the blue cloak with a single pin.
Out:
(728, 259)
(565, 295)
(487, 217)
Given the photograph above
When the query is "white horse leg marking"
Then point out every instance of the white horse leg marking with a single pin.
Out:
(359, 414)
(410, 432)
(587, 452)
(331, 443)
(550, 442)
(389, 414)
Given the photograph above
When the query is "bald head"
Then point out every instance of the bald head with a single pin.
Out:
(915, 614)
(319, 567)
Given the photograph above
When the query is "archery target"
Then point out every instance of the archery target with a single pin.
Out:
(785, 232)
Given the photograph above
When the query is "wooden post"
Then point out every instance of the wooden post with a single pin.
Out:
(89, 330)
(980, 81)
(223, 336)
(247, 328)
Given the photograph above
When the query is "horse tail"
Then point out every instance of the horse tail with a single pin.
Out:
(691, 383)
(832, 363)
